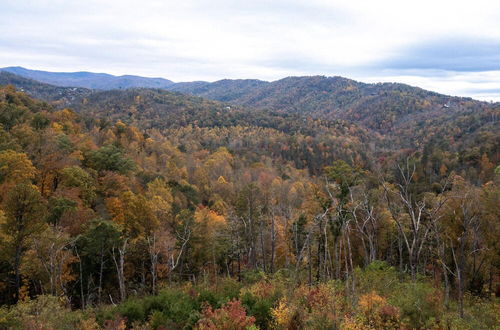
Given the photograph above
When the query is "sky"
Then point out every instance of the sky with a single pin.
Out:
(448, 46)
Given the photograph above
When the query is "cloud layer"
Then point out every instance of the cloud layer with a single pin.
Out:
(447, 46)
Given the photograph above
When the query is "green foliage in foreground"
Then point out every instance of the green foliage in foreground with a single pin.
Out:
(269, 302)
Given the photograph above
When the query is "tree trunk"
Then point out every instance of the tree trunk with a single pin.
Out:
(413, 268)
(120, 264)
(310, 262)
(101, 270)
(400, 253)
(445, 276)
(262, 246)
(81, 278)
(17, 274)
(273, 244)
(352, 267)
(460, 293)
(154, 262)
(460, 274)
(446, 287)
(319, 252)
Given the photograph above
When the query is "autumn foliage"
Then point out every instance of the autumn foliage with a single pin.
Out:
(144, 208)
(231, 316)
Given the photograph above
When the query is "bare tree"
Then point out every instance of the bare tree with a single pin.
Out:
(409, 214)
(366, 222)
(120, 265)
(463, 212)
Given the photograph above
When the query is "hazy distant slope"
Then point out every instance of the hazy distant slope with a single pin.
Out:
(60, 96)
(226, 90)
(89, 79)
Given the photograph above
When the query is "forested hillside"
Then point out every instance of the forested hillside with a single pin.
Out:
(312, 203)
(383, 107)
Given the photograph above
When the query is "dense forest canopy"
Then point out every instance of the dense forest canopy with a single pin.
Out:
(310, 202)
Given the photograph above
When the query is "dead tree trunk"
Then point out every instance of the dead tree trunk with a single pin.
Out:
(120, 265)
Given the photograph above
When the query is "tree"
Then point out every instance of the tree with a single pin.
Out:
(209, 238)
(76, 177)
(160, 199)
(463, 234)
(249, 208)
(96, 245)
(109, 158)
(11, 114)
(408, 211)
(24, 210)
(15, 167)
(51, 255)
(367, 220)
(340, 178)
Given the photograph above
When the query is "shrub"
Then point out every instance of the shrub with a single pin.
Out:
(44, 312)
(319, 307)
(378, 313)
(133, 310)
(253, 276)
(479, 314)
(259, 299)
(282, 315)
(420, 304)
(326, 305)
(175, 305)
(231, 316)
(171, 308)
(216, 295)
(379, 277)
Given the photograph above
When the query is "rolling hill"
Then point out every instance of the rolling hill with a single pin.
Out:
(89, 79)
(401, 116)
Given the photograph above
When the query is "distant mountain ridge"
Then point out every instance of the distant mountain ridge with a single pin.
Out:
(90, 80)
(389, 115)
(60, 96)
(379, 106)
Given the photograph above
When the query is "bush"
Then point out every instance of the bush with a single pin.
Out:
(253, 276)
(171, 308)
(420, 304)
(479, 314)
(379, 277)
(133, 310)
(231, 316)
(378, 313)
(259, 299)
(319, 307)
(258, 307)
(216, 295)
(44, 312)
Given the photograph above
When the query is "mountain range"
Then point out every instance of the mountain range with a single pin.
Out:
(390, 115)
(90, 80)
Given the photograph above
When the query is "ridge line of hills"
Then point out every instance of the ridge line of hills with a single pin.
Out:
(89, 80)
(222, 90)
(370, 118)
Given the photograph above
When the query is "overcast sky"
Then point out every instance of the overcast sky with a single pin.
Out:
(451, 46)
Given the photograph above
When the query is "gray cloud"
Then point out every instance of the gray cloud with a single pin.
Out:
(455, 54)
(491, 91)
(265, 39)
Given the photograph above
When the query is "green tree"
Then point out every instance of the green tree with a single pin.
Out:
(96, 246)
(24, 210)
(108, 158)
